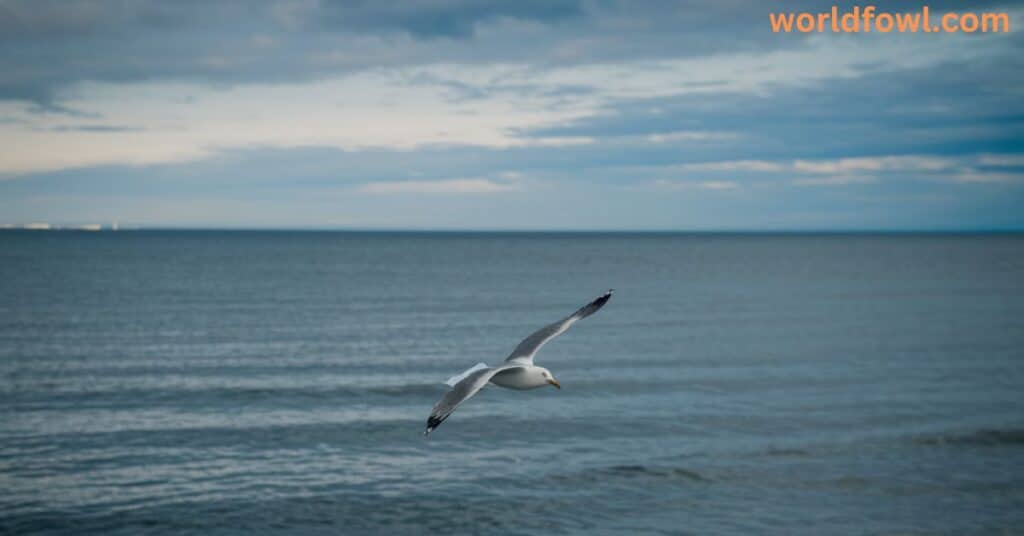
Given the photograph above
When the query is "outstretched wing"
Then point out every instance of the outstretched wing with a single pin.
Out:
(523, 354)
(460, 393)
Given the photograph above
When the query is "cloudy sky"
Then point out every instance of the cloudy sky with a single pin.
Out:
(527, 114)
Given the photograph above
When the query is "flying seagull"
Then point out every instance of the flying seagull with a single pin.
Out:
(517, 372)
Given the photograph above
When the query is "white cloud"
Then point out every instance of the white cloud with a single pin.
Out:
(869, 169)
(403, 108)
(983, 176)
(882, 163)
(553, 141)
(844, 171)
(448, 186)
(757, 166)
(690, 135)
(834, 180)
(1002, 160)
(181, 122)
(675, 185)
(718, 185)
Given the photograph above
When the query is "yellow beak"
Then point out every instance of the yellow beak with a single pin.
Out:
(554, 382)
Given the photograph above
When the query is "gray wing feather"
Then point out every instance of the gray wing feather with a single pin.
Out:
(525, 351)
(460, 393)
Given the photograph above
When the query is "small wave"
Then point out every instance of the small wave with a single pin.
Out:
(786, 452)
(632, 472)
(645, 471)
(984, 437)
(122, 398)
(357, 391)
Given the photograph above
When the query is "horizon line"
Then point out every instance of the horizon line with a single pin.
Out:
(427, 230)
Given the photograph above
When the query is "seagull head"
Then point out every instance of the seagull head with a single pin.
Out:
(549, 378)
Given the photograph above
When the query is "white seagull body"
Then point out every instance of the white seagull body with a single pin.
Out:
(517, 372)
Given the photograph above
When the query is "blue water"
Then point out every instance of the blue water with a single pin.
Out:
(247, 382)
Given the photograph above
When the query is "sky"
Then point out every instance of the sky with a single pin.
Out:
(523, 115)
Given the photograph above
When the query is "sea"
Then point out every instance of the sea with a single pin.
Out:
(278, 382)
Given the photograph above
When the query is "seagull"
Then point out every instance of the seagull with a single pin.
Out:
(517, 372)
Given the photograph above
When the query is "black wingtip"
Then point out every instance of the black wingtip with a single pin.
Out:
(432, 424)
(603, 299)
(593, 306)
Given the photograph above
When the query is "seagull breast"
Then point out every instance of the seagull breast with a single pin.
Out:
(521, 378)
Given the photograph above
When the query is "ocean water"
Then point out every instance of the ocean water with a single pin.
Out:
(279, 382)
